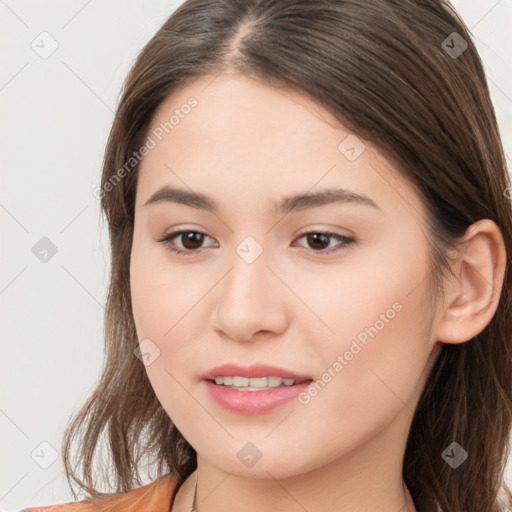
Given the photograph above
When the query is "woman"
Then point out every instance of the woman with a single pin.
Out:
(310, 297)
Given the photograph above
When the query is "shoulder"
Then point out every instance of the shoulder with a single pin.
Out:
(155, 496)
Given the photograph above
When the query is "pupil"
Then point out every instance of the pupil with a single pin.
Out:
(315, 237)
(190, 236)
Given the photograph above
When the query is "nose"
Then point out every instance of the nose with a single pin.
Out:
(250, 300)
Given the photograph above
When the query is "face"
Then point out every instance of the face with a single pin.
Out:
(331, 289)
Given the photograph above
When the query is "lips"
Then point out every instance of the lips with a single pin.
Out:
(253, 371)
(252, 402)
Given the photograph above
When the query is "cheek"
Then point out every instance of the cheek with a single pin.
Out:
(168, 308)
(156, 290)
(374, 362)
(162, 303)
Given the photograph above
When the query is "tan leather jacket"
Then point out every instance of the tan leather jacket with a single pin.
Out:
(156, 496)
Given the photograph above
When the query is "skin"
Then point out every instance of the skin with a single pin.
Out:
(246, 145)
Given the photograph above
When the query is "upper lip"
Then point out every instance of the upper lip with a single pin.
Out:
(252, 371)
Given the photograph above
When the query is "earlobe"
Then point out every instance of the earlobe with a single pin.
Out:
(474, 296)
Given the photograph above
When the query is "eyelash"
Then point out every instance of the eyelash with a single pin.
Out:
(167, 239)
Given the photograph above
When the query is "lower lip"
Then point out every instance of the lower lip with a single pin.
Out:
(254, 402)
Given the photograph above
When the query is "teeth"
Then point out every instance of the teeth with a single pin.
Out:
(256, 382)
(240, 381)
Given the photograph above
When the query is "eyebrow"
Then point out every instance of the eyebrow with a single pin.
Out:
(288, 204)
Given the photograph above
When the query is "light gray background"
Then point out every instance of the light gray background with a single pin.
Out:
(56, 115)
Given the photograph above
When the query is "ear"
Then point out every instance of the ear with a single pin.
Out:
(472, 299)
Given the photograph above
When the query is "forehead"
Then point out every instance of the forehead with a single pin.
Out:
(235, 131)
(234, 108)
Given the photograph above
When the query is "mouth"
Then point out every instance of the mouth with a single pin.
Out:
(258, 376)
(256, 383)
(255, 389)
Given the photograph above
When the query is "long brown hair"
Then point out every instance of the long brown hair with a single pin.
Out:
(393, 73)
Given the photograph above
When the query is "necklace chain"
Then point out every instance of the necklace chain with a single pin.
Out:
(193, 508)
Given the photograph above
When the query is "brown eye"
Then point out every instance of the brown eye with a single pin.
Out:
(191, 241)
(319, 240)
